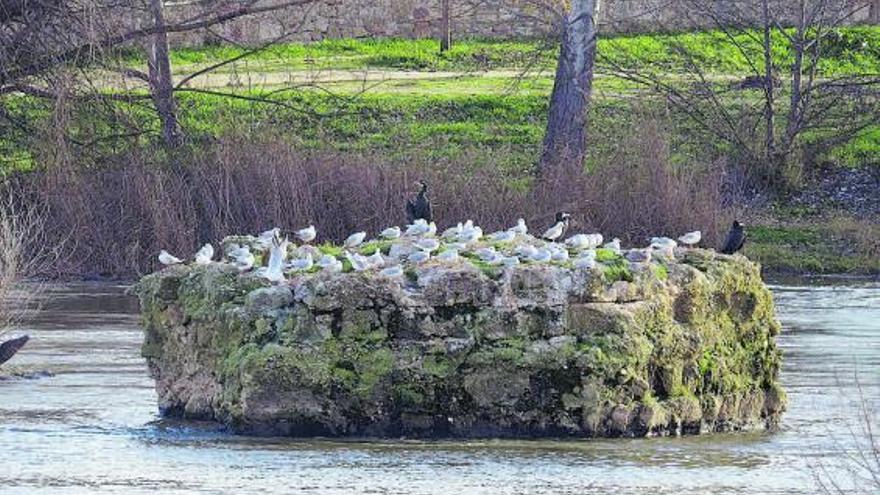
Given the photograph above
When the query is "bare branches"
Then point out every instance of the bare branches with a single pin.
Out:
(785, 56)
(73, 47)
(22, 252)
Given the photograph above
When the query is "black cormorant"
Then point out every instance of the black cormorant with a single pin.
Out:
(735, 238)
(419, 208)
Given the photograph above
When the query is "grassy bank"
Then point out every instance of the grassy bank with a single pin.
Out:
(509, 126)
(851, 49)
(480, 107)
(831, 243)
(489, 96)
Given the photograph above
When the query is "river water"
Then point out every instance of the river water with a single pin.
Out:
(93, 427)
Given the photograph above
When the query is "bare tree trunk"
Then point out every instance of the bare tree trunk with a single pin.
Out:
(769, 103)
(445, 29)
(161, 84)
(565, 140)
(796, 102)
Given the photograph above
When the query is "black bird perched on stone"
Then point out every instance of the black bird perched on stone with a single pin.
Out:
(735, 238)
(10, 347)
(419, 208)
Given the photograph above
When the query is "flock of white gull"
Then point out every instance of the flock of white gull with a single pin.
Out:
(419, 244)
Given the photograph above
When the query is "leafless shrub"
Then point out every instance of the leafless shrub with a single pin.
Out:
(638, 193)
(115, 219)
(784, 114)
(21, 232)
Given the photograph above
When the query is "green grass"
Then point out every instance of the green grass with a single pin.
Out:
(808, 247)
(851, 49)
(472, 115)
(504, 127)
(400, 54)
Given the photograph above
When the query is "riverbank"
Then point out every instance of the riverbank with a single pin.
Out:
(830, 228)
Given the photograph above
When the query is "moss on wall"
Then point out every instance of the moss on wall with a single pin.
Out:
(528, 351)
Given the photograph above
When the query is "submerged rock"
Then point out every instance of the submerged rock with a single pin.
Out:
(455, 351)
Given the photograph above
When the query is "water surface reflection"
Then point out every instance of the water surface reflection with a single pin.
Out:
(92, 427)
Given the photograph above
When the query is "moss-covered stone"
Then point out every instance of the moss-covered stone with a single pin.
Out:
(683, 347)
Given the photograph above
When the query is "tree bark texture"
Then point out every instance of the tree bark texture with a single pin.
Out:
(565, 140)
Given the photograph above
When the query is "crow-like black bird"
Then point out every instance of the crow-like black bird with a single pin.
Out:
(735, 238)
(419, 207)
(10, 347)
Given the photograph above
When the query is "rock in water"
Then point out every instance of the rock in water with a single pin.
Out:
(461, 351)
(9, 348)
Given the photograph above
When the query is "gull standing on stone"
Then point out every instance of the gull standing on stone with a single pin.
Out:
(613, 246)
(691, 238)
(586, 262)
(358, 263)
(526, 251)
(419, 257)
(271, 234)
(303, 264)
(421, 228)
(330, 264)
(560, 255)
(354, 240)
(376, 260)
(470, 233)
(391, 233)
(167, 259)
(663, 243)
(244, 261)
(595, 241)
(486, 254)
(542, 256)
(429, 244)
(277, 256)
(205, 255)
(265, 239)
(664, 246)
(503, 236)
(520, 227)
(449, 256)
(638, 255)
(452, 233)
(579, 241)
(307, 234)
